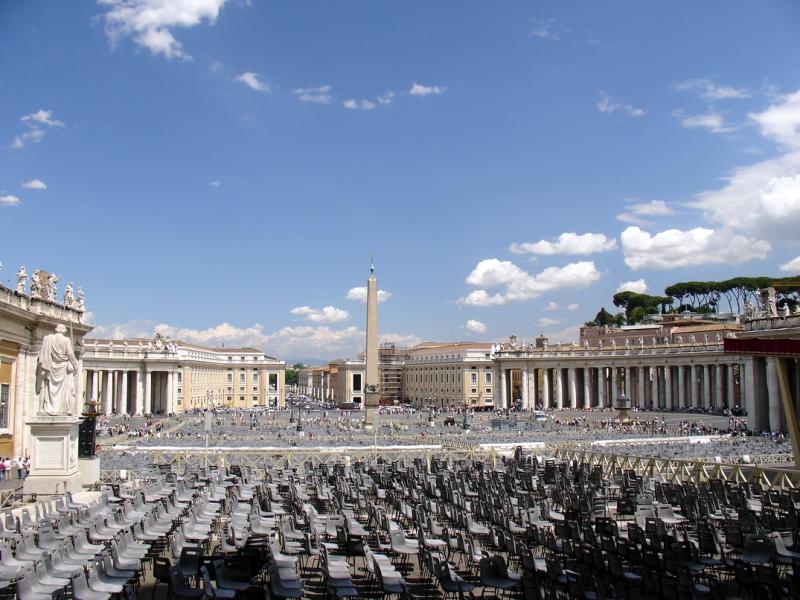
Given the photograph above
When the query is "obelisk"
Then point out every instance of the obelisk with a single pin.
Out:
(372, 387)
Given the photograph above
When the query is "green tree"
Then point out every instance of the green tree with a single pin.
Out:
(603, 317)
(293, 373)
(638, 305)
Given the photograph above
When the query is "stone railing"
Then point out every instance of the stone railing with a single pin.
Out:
(574, 350)
(39, 307)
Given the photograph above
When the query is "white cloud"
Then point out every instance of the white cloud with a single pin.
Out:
(793, 266)
(551, 307)
(319, 95)
(417, 89)
(216, 183)
(34, 136)
(42, 117)
(150, 22)
(302, 342)
(386, 98)
(607, 104)
(710, 91)
(475, 326)
(326, 315)
(712, 121)
(763, 199)
(639, 286)
(34, 184)
(567, 243)
(568, 334)
(360, 294)
(252, 81)
(781, 121)
(548, 322)
(359, 104)
(521, 285)
(634, 212)
(403, 340)
(699, 246)
(545, 30)
(573, 306)
(9, 200)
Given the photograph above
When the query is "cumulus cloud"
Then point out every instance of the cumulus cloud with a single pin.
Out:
(287, 343)
(320, 94)
(253, 81)
(386, 98)
(360, 294)
(568, 334)
(417, 89)
(34, 184)
(711, 120)
(151, 22)
(639, 286)
(475, 326)
(327, 314)
(404, 340)
(216, 183)
(711, 91)
(359, 104)
(573, 306)
(677, 248)
(607, 104)
(548, 322)
(43, 117)
(33, 136)
(763, 199)
(793, 266)
(9, 200)
(551, 307)
(567, 243)
(545, 29)
(519, 285)
(634, 213)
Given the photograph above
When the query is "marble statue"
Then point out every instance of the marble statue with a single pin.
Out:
(600, 345)
(796, 310)
(749, 312)
(641, 343)
(679, 339)
(52, 287)
(79, 303)
(666, 341)
(544, 345)
(705, 339)
(69, 298)
(56, 374)
(627, 344)
(692, 339)
(785, 311)
(614, 344)
(719, 338)
(22, 278)
(586, 345)
(771, 303)
(36, 285)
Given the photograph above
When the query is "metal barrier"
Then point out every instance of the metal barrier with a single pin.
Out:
(696, 471)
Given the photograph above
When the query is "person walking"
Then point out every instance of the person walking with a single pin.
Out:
(2, 468)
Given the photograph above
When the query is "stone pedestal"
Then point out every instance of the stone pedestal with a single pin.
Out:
(54, 455)
(89, 469)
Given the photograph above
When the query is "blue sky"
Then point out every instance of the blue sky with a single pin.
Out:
(222, 170)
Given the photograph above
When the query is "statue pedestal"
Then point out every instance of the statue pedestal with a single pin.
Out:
(54, 455)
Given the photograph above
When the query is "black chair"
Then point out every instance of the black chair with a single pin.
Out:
(161, 573)
(179, 589)
(190, 561)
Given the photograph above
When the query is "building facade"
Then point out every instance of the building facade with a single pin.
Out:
(161, 376)
(450, 374)
(25, 319)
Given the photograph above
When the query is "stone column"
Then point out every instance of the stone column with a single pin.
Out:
(148, 392)
(668, 403)
(719, 398)
(503, 391)
(655, 401)
(95, 388)
(525, 384)
(681, 387)
(138, 393)
(614, 387)
(534, 388)
(748, 382)
(629, 385)
(170, 397)
(546, 395)
(123, 397)
(573, 388)
(640, 384)
(107, 392)
(693, 383)
(731, 392)
(774, 395)
(706, 386)
(601, 387)
(558, 384)
(587, 387)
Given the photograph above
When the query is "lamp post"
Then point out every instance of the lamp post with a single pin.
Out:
(207, 423)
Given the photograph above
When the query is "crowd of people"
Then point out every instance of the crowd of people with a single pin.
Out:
(14, 468)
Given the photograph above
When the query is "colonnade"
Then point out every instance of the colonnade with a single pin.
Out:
(703, 385)
(131, 391)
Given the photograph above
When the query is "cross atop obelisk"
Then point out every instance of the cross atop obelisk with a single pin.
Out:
(372, 383)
